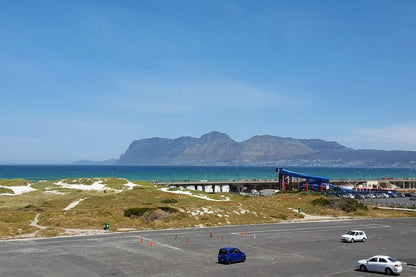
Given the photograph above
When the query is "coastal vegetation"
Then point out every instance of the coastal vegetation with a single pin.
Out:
(347, 205)
(138, 205)
(13, 182)
(6, 190)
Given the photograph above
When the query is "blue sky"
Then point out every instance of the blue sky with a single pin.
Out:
(83, 79)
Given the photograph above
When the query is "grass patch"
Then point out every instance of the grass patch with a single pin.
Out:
(51, 232)
(31, 207)
(15, 223)
(80, 181)
(14, 182)
(42, 185)
(145, 205)
(6, 190)
(115, 183)
(115, 186)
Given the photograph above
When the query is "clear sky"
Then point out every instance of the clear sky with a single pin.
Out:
(83, 79)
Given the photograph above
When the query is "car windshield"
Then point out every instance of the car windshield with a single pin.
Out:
(392, 260)
(351, 233)
(223, 251)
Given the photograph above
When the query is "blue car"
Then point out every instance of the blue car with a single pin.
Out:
(230, 255)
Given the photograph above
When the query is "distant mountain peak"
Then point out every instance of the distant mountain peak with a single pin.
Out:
(214, 135)
(216, 148)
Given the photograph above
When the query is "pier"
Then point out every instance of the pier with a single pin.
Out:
(247, 186)
(225, 186)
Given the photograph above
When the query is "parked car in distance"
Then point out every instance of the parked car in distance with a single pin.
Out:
(348, 196)
(380, 263)
(359, 196)
(354, 235)
(230, 255)
(370, 196)
(382, 195)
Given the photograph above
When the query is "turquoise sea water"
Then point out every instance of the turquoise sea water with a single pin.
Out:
(193, 173)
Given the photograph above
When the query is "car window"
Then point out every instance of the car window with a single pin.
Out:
(223, 251)
(350, 233)
(231, 250)
(381, 260)
(392, 260)
(373, 260)
(237, 251)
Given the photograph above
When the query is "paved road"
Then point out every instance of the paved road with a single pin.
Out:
(298, 249)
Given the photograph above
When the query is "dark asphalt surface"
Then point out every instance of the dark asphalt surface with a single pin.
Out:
(296, 249)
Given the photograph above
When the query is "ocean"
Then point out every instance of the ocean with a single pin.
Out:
(192, 173)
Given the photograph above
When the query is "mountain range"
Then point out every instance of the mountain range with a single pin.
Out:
(217, 148)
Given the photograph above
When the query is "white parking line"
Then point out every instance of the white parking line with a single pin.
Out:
(162, 244)
(369, 226)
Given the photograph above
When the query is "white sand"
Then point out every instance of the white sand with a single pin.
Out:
(34, 223)
(18, 189)
(98, 185)
(54, 192)
(73, 204)
(130, 185)
(94, 186)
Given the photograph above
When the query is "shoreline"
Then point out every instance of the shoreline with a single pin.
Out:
(35, 173)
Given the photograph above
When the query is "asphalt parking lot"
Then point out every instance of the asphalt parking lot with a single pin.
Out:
(399, 202)
(295, 249)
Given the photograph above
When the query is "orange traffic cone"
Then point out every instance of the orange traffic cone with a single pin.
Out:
(187, 240)
(222, 237)
(151, 244)
(242, 234)
(141, 240)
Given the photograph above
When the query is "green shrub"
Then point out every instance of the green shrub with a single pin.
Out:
(170, 200)
(137, 212)
(353, 205)
(347, 205)
(168, 209)
(321, 202)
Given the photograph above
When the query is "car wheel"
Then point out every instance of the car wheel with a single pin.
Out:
(363, 268)
(363, 239)
(229, 261)
(244, 259)
(352, 241)
(389, 271)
